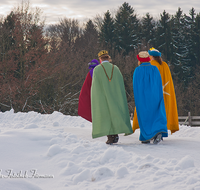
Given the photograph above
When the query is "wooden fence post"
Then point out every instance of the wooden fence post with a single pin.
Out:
(193, 121)
(189, 119)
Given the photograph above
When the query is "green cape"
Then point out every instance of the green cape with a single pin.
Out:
(110, 114)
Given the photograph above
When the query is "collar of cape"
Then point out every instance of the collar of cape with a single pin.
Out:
(104, 61)
(145, 64)
(109, 79)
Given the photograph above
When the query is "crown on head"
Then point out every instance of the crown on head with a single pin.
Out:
(102, 52)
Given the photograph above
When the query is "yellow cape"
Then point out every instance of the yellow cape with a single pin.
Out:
(169, 98)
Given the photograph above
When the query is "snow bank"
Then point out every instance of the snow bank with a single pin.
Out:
(55, 151)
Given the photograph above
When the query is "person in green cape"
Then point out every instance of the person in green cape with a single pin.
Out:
(110, 114)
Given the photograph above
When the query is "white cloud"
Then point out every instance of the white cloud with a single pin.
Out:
(54, 10)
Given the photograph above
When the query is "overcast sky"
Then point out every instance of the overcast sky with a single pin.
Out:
(53, 10)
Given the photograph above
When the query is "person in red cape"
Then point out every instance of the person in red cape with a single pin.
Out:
(84, 105)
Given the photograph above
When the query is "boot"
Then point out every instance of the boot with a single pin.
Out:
(157, 138)
(112, 139)
(145, 142)
(116, 138)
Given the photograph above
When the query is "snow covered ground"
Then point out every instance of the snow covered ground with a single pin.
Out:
(57, 152)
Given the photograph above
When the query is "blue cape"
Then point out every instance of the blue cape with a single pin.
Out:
(149, 101)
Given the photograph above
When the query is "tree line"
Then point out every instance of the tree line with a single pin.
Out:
(43, 67)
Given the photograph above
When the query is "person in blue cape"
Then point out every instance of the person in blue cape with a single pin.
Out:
(149, 101)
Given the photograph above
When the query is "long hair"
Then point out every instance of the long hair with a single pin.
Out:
(158, 59)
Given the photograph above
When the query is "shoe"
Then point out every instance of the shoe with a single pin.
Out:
(145, 142)
(116, 138)
(112, 139)
(157, 138)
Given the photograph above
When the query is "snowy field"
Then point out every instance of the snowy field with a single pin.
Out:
(57, 152)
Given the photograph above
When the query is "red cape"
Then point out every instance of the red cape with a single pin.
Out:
(84, 105)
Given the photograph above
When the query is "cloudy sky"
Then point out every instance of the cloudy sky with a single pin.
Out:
(53, 10)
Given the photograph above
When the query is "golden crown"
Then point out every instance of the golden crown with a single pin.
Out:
(102, 52)
(152, 49)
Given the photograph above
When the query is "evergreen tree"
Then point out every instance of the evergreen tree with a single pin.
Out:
(189, 61)
(179, 49)
(90, 39)
(190, 33)
(164, 36)
(126, 29)
(90, 31)
(107, 34)
(197, 39)
(148, 30)
(87, 43)
(196, 91)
